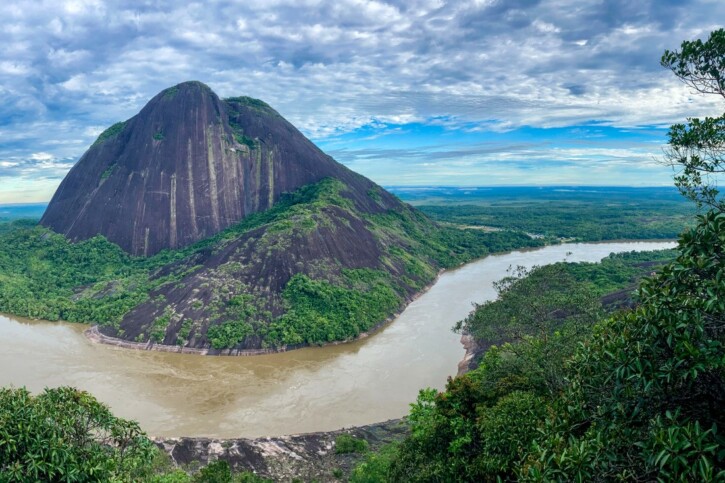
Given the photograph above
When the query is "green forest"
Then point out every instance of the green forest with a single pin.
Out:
(582, 214)
(574, 392)
(45, 276)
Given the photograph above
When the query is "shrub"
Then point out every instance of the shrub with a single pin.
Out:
(65, 434)
(347, 443)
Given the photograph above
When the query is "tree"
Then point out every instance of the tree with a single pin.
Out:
(646, 394)
(64, 434)
(534, 302)
(697, 148)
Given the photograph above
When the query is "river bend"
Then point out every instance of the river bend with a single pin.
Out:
(312, 389)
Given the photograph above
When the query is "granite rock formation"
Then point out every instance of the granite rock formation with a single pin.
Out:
(247, 236)
(187, 166)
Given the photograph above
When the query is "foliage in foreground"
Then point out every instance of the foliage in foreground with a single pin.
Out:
(640, 399)
(480, 427)
(646, 392)
(66, 435)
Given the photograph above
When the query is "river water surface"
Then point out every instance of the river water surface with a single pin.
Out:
(311, 389)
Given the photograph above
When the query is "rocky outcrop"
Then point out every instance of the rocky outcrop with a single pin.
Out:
(306, 457)
(239, 203)
(187, 166)
(474, 351)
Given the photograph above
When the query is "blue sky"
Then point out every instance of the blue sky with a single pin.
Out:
(417, 92)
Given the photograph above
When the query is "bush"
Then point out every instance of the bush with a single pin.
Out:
(375, 467)
(347, 443)
(64, 434)
(216, 472)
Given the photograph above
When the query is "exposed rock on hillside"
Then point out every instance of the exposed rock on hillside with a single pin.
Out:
(309, 457)
(250, 237)
(186, 167)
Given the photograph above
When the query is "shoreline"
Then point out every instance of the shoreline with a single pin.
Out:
(308, 456)
(471, 347)
(470, 344)
(94, 335)
(474, 348)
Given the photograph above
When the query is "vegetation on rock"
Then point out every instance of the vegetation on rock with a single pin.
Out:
(110, 132)
(571, 395)
(347, 443)
(43, 275)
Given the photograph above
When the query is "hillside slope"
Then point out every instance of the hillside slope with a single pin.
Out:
(216, 225)
(187, 166)
(313, 269)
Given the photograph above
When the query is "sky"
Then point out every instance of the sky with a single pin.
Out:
(406, 92)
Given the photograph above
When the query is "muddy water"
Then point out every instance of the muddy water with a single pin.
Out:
(311, 389)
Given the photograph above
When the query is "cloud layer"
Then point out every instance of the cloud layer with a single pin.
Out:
(69, 69)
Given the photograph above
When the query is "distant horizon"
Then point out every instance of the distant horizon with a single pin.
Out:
(422, 187)
(542, 186)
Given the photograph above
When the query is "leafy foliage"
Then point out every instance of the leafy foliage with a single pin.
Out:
(697, 148)
(640, 398)
(618, 270)
(171, 92)
(376, 466)
(108, 171)
(444, 245)
(319, 311)
(110, 132)
(228, 334)
(650, 379)
(66, 435)
(216, 472)
(534, 303)
(347, 443)
(16, 224)
(480, 427)
(700, 65)
(637, 398)
(250, 102)
(42, 275)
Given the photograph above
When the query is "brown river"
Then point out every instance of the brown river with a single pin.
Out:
(312, 389)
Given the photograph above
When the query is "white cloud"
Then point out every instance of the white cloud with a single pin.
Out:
(41, 156)
(333, 66)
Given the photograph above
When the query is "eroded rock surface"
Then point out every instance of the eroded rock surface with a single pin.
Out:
(187, 166)
(308, 457)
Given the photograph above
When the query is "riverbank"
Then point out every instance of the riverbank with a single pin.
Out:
(473, 349)
(95, 335)
(308, 457)
(294, 392)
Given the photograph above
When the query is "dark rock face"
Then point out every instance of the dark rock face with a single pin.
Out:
(186, 167)
(309, 457)
(259, 262)
(191, 165)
